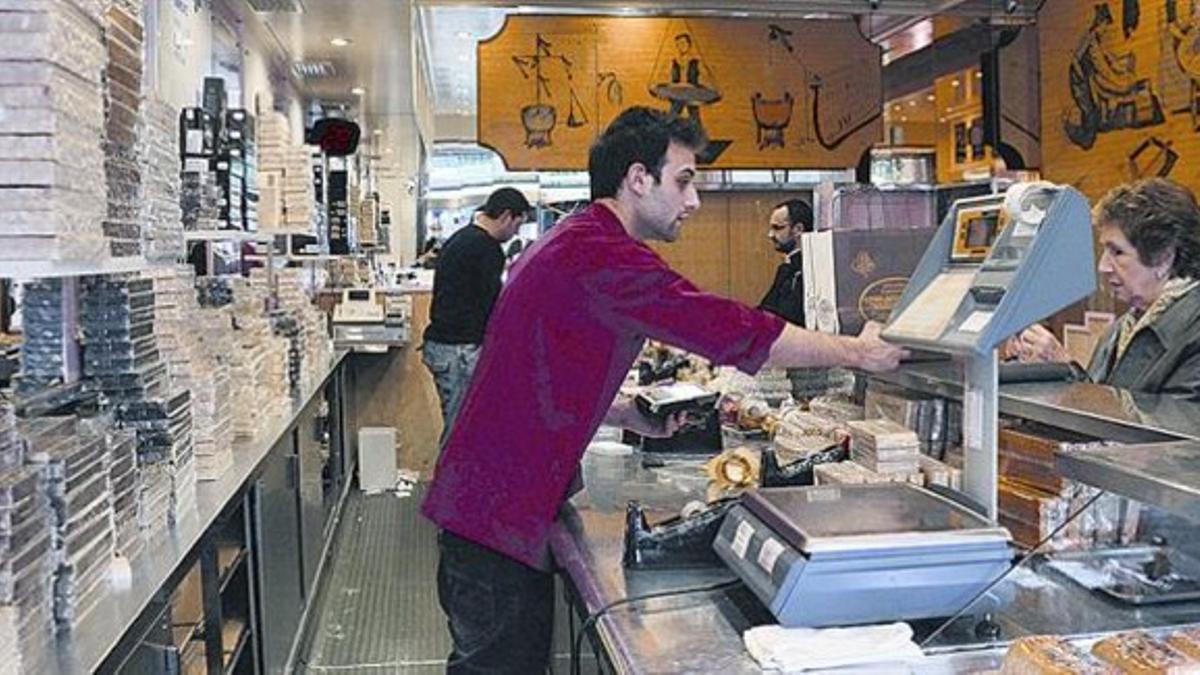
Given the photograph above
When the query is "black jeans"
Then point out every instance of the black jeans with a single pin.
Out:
(501, 613)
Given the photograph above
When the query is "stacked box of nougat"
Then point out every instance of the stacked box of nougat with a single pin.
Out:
(259, 361)
(122, 127)
(313, 348)
(285, 179)
(161, 212)
(52, 180)
(195, 343)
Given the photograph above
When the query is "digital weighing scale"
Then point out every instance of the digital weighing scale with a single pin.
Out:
(997, 265)
(841, 555)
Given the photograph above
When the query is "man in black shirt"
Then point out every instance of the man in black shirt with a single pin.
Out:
(466, 283)
(785, 298)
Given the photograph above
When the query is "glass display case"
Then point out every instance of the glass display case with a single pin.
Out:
(903, 166)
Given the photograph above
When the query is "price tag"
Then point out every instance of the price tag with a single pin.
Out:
(769, 554)
(741, 539)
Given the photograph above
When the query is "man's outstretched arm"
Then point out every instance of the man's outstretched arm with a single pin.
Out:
(800, 348)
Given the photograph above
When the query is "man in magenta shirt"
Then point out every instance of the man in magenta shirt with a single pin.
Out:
(567, 327)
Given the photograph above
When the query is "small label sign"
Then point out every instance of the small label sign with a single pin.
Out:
(976, 322)
(769, 555)
(741, 539)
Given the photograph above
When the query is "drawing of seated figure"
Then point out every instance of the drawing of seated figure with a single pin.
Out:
(1186, 37)
(1105, 85)
(684, 90)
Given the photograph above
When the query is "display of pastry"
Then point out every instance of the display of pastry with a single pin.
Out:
(736, 467)
(753, 414)
(1186, 641)
(1137, 653)
(1049, 655)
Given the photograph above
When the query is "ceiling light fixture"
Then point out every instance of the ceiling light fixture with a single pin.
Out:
(358, 91)
(378, 132)
(340, 42)
(464, 35)
(1011, 6)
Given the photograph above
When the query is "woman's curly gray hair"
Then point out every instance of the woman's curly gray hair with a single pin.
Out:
(1158, 217)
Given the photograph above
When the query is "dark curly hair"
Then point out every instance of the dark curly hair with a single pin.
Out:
(638, 135)
(1157, 216)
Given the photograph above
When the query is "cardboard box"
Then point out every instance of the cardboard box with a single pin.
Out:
(851, 277)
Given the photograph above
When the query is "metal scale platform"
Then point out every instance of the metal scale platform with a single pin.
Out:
(842, 555)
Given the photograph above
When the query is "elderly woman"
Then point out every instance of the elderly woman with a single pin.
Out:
(1150, 235)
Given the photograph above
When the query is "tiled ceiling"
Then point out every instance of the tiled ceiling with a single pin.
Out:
(363, 42)
(451, 35)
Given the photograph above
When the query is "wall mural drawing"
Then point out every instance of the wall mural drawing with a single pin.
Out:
(749, 83)
(1131, 14)
(771, 117)
(843, 114)
(683, 88)
(1185, 35)
(1106, 89)
(1117, 108)
(540, 117)
(689, 82)
(1152, 157)
(773, 114)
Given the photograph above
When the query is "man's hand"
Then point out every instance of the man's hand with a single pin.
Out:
(874, 354)
(1037, 344)
(625, 414)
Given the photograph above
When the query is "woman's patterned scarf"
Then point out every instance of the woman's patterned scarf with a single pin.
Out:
(1131, 325)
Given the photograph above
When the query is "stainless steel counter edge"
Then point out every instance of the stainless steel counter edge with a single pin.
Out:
(101, 630)
(1161, 474)
(570, 558)
(1144, 418)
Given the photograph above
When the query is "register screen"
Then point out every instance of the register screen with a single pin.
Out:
(982, 230)
(975, 232)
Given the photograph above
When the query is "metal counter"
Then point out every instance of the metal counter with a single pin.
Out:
(1165, 474)
(1092, 409)
(94, 639)
(703, 632)
(692, 633)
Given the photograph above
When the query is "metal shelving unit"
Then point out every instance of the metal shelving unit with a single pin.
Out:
(43, 269)
(225, 235)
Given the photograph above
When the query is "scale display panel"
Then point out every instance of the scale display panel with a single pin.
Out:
(975, 230)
